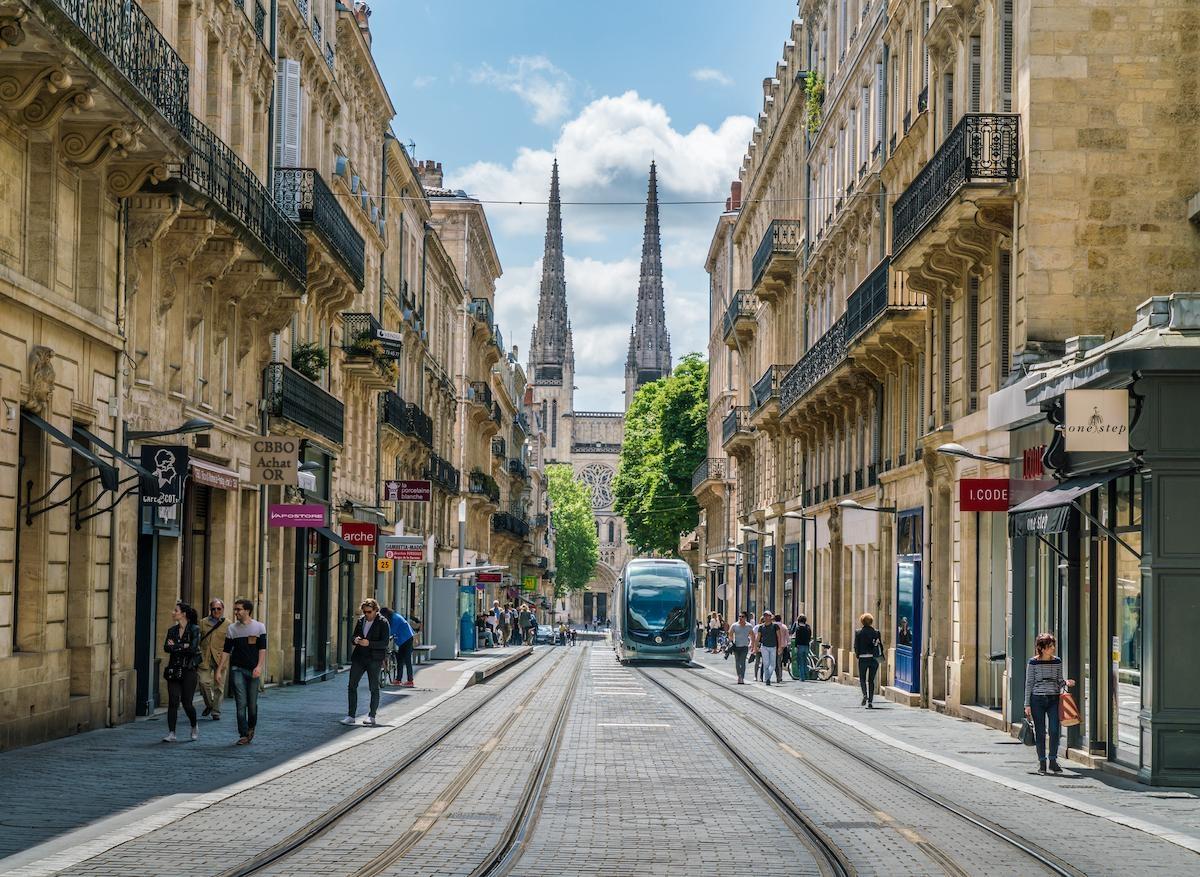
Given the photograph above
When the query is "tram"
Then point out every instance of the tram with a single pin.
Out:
(653, 611)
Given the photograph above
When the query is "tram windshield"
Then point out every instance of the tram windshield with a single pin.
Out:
(658, 599)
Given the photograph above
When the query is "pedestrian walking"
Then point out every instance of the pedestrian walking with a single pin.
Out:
(714, 631)
(802, 642)
(213, 629)
(182, 645)
(370, 638)
(742, 633)
(768, 636)
(245, 655)
(1044, 683)
(782, 655)
(404, 639)
(506, 624)
(528, 624)
(868, 647)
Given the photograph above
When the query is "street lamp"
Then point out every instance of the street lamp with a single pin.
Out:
(954, 449)
(193, 424)
(858, 506)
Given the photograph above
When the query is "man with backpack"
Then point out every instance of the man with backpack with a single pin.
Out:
(768, 637)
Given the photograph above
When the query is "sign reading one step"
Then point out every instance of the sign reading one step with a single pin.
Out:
(273, 459)
(409, 549)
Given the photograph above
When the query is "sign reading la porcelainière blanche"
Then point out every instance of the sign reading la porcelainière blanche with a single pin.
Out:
(1096, 420)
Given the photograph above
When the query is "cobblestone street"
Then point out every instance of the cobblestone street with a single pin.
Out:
(569, 763)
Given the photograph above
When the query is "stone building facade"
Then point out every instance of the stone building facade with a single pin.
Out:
(971, 197)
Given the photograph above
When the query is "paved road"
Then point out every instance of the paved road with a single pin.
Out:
(637, 786)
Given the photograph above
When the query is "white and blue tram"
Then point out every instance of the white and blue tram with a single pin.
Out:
(653, 611)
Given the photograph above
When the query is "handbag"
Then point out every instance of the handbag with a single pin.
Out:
(1027, 736)
(172, 673)
(1068, 710)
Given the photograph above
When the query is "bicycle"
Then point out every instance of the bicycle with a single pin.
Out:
(822, 669)
(389, 673)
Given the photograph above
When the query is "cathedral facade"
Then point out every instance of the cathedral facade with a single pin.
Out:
(590, 441)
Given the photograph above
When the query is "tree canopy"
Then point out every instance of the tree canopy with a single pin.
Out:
(666, 438)
(576, 548)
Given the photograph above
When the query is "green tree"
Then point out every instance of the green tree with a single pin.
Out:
(665, 439)
(576, 548)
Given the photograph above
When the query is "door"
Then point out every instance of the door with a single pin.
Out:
(908, 623)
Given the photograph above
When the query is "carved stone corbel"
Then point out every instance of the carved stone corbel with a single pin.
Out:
(176, 252)
(126, 178)
(210, 265)
(16, 94)
(40, 393)
(12, 31)
(45, 111)
(89, 149)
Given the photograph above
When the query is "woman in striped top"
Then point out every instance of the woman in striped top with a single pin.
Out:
(1043, 683)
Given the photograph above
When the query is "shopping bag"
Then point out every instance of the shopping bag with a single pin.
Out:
(1027, 735)
(1068, 711)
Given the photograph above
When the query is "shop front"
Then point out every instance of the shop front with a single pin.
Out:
(909, 601)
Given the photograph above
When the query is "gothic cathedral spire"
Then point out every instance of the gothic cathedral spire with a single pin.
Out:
(649, 344)
(551, 348)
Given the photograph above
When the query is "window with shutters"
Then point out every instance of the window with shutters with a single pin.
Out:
(200, 387)
(908, 66)
(905, 381)
(947, 305)
(972, 343)
(852, 143)
(947, 104)
(1006, 55)
(289, 100)
(921, 410)
(976, 74)
(879, 106)
(1004, 313)
(925, 11)
(865, 125)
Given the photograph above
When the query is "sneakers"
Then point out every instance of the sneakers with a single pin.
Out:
(1054, 768)
(249, 735)
(216, 717)
(170, 738)
(195, 733)
(207, 710)
(242, 741)
(864, 701)
(408, 684)
(870, 704)
(369, 720)
(349, 720)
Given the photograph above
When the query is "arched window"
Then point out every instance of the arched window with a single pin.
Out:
(611, 532)
(554, 424)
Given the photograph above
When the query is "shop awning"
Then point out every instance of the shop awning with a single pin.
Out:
(212, 475)
(1049, 511)
(335, 537)
(107, 472)
(124, 458)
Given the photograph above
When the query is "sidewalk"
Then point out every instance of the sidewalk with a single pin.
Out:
(983, 753)
(94, 783)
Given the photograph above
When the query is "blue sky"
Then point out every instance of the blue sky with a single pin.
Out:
(495, 90)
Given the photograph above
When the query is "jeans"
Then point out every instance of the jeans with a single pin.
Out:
(710, 642)
(372, 669)
(767, 659)
(245, 698)
(1045, 711)
(868, 669)
(181, 691)
(739, 659)
(404, 653)
(802, 657)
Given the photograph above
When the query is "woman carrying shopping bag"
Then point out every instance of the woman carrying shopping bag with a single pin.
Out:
(1044, 683)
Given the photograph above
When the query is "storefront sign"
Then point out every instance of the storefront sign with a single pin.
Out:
(384, 564)
(214, 476)
(296, 515)
(983, 494)
(167, 464)
(409, 549)
(358, 534)
(488, 578)
(407, 491)
(273, 460)
(1096, 420)
(1032, 467)
(529, 583)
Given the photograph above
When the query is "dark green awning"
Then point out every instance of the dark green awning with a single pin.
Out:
(1049, 511)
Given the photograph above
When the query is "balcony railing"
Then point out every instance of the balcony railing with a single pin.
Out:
(819, 361)
(481, 310)
(737, 420)
(511, 523)
(308, 201)
(128, 39)
(359, 330)
(521, 422)
(499, 448)
(482, 484)
(498, 339)
(907, 121)
(290, 395)
(767, 387)
(407, 418)
(711, 469)
(540, 521)
(781, 236)
(518, 468)
(981, 148)
(260, 22)
(741, 305)
(923, 100)
(497, 414)
(868, 301)
(213, 169)
(440, 472)
(481, 393)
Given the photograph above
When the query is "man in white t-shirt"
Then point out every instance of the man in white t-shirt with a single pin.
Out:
(741, 633)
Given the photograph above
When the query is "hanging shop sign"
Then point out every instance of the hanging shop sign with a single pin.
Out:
(358, 534)
(407, 491)
(529, 583)
(408, 549)
(273, 460)
(1096, 420)
(296, 515)
(167, 464)
(488, 578)
(212, 475)
(983, 494)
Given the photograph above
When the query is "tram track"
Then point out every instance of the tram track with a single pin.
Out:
(1044, 858)
(319, 825)
(830, 859)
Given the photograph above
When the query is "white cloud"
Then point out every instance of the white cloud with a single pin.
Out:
(423, 81)
(536, 81)
(711, 74)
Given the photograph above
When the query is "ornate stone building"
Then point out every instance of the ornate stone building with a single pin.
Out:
(590, 441)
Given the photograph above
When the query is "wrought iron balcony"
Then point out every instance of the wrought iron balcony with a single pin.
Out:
(907, 121)
(407, 418)
(822, 358)
(892, 143)
(290, 395)
(736, 421)
(923, 100)
(510, 523)
(498, 339)
(518, 468)
(441, 473)
(481, 394)
(482, 484)
(128, 40)
(766, 388)
(539, 522)
(521, 422)
(213, 170)
(497, 414)
(982, 149)
(309, 202)
(712, 469)
(780, 243)
(481, 310)
(362, 332)
(740, 317)
(868, 301)
(499, 448)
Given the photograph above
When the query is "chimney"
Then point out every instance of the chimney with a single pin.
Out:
(734, 201)
(362, 15)
(430, 173)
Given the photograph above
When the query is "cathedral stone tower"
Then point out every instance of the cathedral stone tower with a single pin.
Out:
(649, 344)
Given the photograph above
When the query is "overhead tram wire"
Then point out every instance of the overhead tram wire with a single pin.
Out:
(533, 202)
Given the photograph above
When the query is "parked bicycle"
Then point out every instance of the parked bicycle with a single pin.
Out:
(389, 673)
(822, 668)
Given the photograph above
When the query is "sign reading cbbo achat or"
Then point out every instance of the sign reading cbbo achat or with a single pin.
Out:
(1096, 420)
(273, 459)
